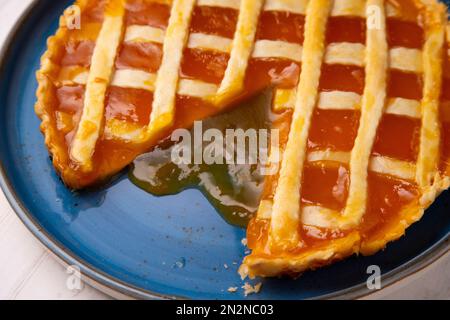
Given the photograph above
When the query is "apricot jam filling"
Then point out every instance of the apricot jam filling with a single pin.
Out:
(281, 26)
(257, 234)
(407, 34)
(94, 11)
(207, 66)
(70, 99)
(214, 21)
(140, 12)
(446, 86)
(325, 185)
(130, 105)
(398, 137)
(89, 31)
(445, 153)
(271, 72)
(445, 115)
(346, 29)
(78, 53)
(388, 196)
(190, 109)
(138, 55)
(69, 104)
(333, 130)
(404, 85)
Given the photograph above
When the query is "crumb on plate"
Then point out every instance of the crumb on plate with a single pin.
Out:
(249, 289)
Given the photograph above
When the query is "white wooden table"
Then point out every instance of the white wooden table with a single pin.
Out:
(28, 271)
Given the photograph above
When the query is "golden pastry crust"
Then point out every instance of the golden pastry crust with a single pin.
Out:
(430, 136)
(285, 264)
(46, 96)
(392, 231)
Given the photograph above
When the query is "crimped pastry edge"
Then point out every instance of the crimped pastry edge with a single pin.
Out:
(57, 149)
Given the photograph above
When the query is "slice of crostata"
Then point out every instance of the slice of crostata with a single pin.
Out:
(361, 87)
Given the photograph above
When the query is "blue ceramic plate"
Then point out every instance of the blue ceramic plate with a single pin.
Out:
(145, 246)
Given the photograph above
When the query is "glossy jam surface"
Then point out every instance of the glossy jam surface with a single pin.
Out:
(140, 12)
(342, 78)
(233, 189)
(404, 85)
(271, 72)
(130, 105)
(207, 66)
(70, 99)
(331, 191)
(445, 115)
(214, 21)
(281, 26)
(405, 146)
(142, 56)
(333, 130)
(408, 34)
(346, 29)
(388, 196)
(78, 53)
(94, 11)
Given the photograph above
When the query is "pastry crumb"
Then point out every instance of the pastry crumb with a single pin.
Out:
(244, 242)
(232, 289)
(249, 289)
(225, 266)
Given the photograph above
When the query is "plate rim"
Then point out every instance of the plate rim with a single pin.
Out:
(94, 275)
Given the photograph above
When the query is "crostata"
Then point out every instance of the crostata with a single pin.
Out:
(361, 87)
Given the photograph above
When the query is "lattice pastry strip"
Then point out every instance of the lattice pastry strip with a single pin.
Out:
(285, 219)
(163, 109)
(138, 33)
(373, 102)
(427, 163)
(291, 6)
(98, 80)
(242, 47)
(233, 4)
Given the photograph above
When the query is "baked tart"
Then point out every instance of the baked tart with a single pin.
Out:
(361, 87)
